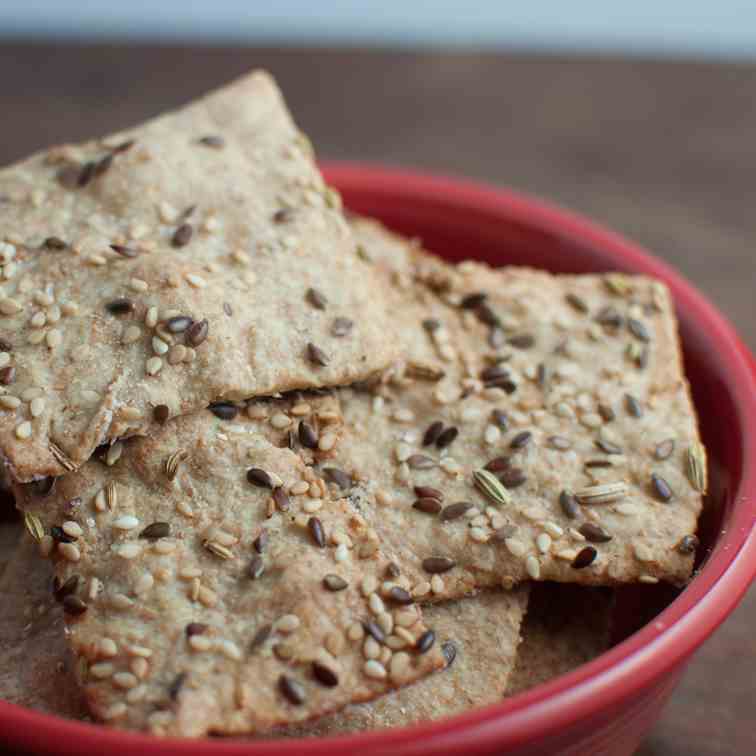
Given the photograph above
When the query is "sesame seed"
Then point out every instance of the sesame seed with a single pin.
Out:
(101, 671)
(374, 669)
(661, 488)
(69, 551)
(129, 551)
(24, 430)
(543, 543)
(327, 441)
(316, 355)
(10, 402)
(292, 690)
(594, 533)
(533, 567)
(126, 522)
(195, 281)
(182, 235)
(72, 529)
(153, 366)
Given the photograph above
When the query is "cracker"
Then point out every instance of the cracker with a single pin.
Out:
(551, 395)
(481, 636)
(565, 626)
(35, 664)
(210, 629)
(198, 257)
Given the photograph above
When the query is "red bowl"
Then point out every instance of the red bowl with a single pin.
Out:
(605, 706)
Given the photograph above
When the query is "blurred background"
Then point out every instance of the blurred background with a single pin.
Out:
(639, 114)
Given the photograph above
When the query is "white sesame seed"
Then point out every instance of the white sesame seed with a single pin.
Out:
(37, 407)
(403, 452)
(90, 397)
(341, 554)
(139, 667)
(200, 642)
(437, 584)
(36, 337)
(327, 441)
(280, 420)
(642, 552)
(10, 402)
(370, 648)
(114, 453)
(591, 420)
(478, 535)
(167, 212)
(450, 466)
(207, 597)
(288, 623)
(375, 602)
(533, 567)
(300, 410)
(159, 346)
(576, 535)
(54, 339)
(183, 507)
(554, 530)
(101, 670)
(9, 306)
(312, 505)
(153, 366)
(516, 547)
(385, 622)
(151, 317)
(24, 430)
(70, 551)
(403, 415)
(196, 281)
(299, 488)
(229, 649)
(650, 579)
(369, 585)
(107, 647)
(492, 435)
(421, 589)
(164, 546)
(129, 550)
(125, 680)
(69, 308)
(543, 542)
(137, 284)
(126, 522)
(131, 334)
(404, 618)
(144, 584)
(374, 669)
(129, 414)
(355, 632)
(38, 320)
(72, 529)
(136, 694)
(121, 601)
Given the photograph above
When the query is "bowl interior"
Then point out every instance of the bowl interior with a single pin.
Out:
(457, 233)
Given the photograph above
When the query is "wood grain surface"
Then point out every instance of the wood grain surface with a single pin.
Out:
(662, 152)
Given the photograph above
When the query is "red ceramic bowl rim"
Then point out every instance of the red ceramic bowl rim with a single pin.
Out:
(615, 675)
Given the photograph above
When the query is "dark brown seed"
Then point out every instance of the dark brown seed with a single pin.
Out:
(487, 316)
(183, 235)
(449, 650)
(86, 174)
(256, 568)
(661, 488)
(339, 477)
(54, 243)
(420, 462)
(224, 410)
(316, 355)
(609, 317)
(664, 449)
(197, 332)
(123, 146)
(560, 443)
(315, 526)
(585, 557)
(435, 565)
(341, 327)
(521, 440)
(494, 373)
(497, 465)
(317, 299)
(282, 499)
(178, 324)
(576, 302)
(60, 535)
(569, 504)
(125, 251)
(260, 637)
(542, 375)
(261, 542)
(455, 511)
(688, 544)
(447, 437)
(425, 641)
(68, 176)
(195, 628)
(228, 309)
(103, 166)
(513, 477)
(594, 533)
(426, 492)
(291, 440)
(427, 505)
(522, 341)
(392, 570)
(638, 330)
(432, 433)
(283, 215)
(161, 413)
(335, 583)
(5, 346)
(307, 436)
(643, 358)
(324, 675)
(68, 588)
(156, 530)
(591, 463)
(258, 477)
(431, 325)
(606, 412)
(120, 306)
(608, 447)
(400, 596)
(633, 406)
(73, 605)
(374, 630)
(43, 486)
(471, 301)
(504, 532)
(212, 140)
(499, 418)
(175, 687)
(497, 338)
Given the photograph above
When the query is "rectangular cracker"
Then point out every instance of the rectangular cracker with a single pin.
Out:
(35, 664)
(544, 391)
(215, 215)
(480, 637)
(565, 626)
(230, 623)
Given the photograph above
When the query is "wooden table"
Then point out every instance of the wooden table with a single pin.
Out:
(663, 152)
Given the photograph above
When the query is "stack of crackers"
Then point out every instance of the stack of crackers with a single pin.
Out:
(283, 472)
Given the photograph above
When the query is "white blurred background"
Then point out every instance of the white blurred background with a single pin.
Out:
(678, 28)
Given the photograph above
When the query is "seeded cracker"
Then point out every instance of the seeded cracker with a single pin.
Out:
(35, 664)
(213, 585)
(151, 273)
(521, 438)
(480, 638)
